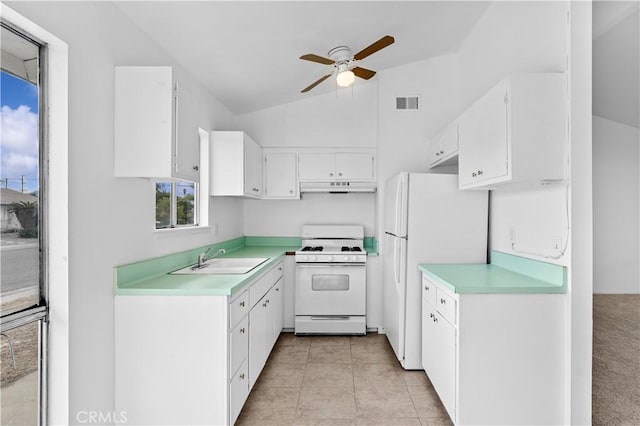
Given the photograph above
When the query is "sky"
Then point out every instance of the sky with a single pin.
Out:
(18, 133)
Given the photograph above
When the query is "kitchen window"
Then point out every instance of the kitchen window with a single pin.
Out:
(176, 204)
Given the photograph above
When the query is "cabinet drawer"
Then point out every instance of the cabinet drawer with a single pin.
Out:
(260, 288)
(446, 305)
(238, 392)
(239, 345)
(428, 291)
(238, 308)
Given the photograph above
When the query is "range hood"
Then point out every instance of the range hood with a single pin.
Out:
(340, 187)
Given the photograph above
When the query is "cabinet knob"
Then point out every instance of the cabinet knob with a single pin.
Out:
(264, 305)
(473, 174)
(340, 174)
(437, 153)
(242, 330)
(435, 319)
(426, 288)
(431, 315)
(242, 303)
(196, 168)
(277, 289)
(479, 172)
(291, 191)
(241, 376)
(331, 174)
(441, 152)
(267, 300)
(444, 302)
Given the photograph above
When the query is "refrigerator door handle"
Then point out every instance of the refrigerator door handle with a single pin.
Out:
(396, 262)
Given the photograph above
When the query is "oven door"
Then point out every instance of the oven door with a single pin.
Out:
(333, 289)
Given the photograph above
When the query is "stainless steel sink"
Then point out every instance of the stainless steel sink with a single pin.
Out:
(229, 265)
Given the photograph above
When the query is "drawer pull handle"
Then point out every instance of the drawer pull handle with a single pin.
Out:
(430, 314)
(444, 302)
(242, 304)
(435, 319)
(264, 304)
(267, 300)
(241, 376)
(242, 330)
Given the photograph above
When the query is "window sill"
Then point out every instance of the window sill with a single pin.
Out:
(174, 232)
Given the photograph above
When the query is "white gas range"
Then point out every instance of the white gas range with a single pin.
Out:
(330, 290)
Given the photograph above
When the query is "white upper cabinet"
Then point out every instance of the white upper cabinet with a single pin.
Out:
(443, 149)
(281, 175)
(235, 165)
(515, 133)
(156, 125)
(348, 166)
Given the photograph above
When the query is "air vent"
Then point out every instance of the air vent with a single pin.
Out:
(407, 103)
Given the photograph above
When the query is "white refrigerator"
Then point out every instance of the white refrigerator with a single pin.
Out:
(426, 220)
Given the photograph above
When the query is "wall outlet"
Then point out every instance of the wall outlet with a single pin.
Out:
(556, 244)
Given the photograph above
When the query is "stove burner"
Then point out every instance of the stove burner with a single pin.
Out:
(345, 248)
(309, 248)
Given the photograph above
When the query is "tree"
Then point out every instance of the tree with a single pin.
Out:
(27, 214)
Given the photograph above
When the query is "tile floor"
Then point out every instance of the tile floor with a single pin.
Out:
(340, 380)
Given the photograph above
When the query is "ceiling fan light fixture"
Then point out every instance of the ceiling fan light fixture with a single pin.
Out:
(345, 78)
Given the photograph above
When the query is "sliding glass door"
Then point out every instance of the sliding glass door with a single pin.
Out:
(23, 215)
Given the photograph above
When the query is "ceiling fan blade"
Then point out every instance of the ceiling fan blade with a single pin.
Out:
(315, 58)
(380, 44)
(314, 84)
(363, 73)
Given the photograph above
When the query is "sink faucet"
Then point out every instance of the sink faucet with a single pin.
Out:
(202, 257)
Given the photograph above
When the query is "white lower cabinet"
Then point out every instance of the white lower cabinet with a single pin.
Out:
(238, 391)
(193, 359)
(494, 358)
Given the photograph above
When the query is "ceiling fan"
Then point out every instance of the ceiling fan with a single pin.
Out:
(344, 63)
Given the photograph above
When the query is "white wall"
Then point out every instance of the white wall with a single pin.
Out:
(615, 209)
(110, 219)
(344, 118)
(514, 37)
(285, 217)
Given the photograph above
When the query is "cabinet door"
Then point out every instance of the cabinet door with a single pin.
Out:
(484, 139)
(277, 309)
(354, 166)
(316, 167)
(444, 146)
(238, 392)
(429, 339)
(444, 363)
(260, 334)
(186, 161)
(281, 175)
(238, 345)
(252, 168)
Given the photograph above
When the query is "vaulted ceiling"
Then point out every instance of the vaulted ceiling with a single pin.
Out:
(246, 53)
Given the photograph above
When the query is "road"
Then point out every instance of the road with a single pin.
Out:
(19, 267)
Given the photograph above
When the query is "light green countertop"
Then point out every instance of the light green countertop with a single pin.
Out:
(151, 276)
(506, 274)
(162, 283)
